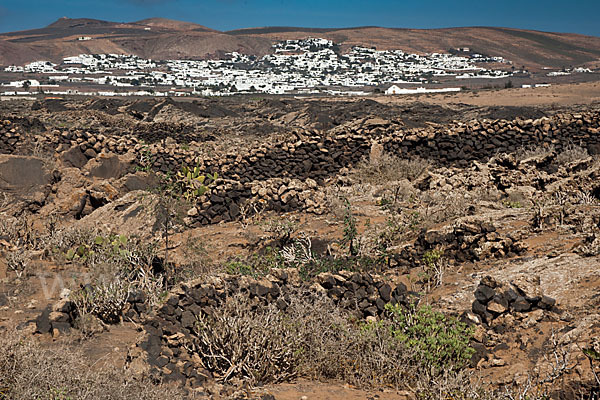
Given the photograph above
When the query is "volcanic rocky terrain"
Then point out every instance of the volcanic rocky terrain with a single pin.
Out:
(280, 248)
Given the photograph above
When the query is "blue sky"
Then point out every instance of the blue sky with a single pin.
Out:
(578, 16)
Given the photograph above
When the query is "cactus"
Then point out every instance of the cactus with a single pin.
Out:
(114, 245)
(193, 183)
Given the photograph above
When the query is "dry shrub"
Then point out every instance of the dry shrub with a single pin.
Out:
(18, 232)
(117, 266)
(533, 151)
(571, 153)
(242, 342)
(104, 299)
(444, 206)
(354, 352)
(19, 262)
(389, 168)
(30, 371)
(312, 338)
(61, 240)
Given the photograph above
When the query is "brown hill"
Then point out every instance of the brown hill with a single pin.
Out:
(160, 38)
(531, 48)
(173, 25)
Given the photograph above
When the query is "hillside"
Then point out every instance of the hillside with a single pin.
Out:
(531, 48)
(160, 38)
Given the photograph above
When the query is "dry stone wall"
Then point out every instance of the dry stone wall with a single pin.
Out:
(467, 240)
(170, 331)
(311, 155)
(479, 140)
(285, 174)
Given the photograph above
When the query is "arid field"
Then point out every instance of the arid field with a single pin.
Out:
(440, 246)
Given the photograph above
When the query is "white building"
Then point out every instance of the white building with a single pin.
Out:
(393, 90)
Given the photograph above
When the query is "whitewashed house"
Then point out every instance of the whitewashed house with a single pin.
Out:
(393, 90)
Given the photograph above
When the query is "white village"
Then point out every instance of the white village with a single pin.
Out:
(309, 66)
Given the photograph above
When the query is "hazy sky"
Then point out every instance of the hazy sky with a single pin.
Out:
(579, 16)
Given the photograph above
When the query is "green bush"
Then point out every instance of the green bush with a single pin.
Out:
(512, 204)
(441, 343)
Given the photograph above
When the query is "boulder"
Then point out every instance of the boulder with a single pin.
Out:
(109, 166)
(23, 175)
(529, 287)
(42, 322)
(73, 157)
(137, 213)
(497, 305)
(484, 293)
(137, 181)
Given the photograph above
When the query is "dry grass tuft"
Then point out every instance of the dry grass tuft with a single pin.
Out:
(571, 153)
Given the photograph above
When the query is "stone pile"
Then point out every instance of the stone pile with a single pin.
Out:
(467, 240)
(56, 318)
(494, 300)
(10, 136)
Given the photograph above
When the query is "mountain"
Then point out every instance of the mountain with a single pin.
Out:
(160, 38)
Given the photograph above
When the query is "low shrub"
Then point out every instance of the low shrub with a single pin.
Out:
(440, 343)
(105, 300)
(118, 266)
(389, 168)
(30, 371)
(433, 268)
(314, 338)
